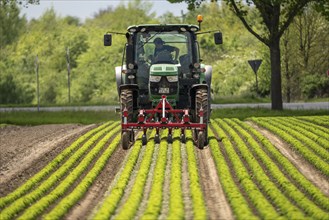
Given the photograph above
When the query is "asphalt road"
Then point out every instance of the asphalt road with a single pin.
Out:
(304, 106)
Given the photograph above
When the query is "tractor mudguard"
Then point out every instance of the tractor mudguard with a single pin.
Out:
(193, 91)
(118, 76)
(208, 74)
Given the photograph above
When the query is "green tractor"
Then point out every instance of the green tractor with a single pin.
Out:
(162, 83)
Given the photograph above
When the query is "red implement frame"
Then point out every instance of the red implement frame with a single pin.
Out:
(146, 118)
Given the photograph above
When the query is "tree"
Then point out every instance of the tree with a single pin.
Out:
(277, 16)
(11, 25)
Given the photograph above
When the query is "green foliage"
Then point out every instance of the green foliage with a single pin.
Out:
(92, 65)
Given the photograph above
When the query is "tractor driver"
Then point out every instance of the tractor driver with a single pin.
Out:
(160, 49)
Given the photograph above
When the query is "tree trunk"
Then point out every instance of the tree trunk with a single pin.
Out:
(276, 92)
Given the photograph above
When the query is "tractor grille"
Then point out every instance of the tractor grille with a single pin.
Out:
(164, 87)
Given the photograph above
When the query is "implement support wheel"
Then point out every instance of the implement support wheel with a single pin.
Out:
(125, 139)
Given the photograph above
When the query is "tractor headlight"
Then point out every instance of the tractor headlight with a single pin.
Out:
(172, 78)
(155, 78)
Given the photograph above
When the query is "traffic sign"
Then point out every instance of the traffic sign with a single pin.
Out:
(255, 64)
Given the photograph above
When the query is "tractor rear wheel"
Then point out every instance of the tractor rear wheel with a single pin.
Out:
(126, 100)
(201, 101)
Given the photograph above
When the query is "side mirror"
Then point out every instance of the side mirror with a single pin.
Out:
(218, 38)
(107, 39)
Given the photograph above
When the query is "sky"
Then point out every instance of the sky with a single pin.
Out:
(87, 8)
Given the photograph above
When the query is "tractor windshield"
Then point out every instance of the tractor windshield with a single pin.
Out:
(164, 47)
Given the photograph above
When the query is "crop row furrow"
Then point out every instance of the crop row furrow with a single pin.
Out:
(289, 190)
(36, 209)
(313, 159)
(238, 202)
(321, 145)
(154, 204)
(262, 192)
(111, 201)
(289, 169)
(50, 167)
(69, 201)
(23, 202)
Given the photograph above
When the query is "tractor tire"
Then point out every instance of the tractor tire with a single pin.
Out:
(201, 101)
(125, 140)
(126, 100)
(201, 140)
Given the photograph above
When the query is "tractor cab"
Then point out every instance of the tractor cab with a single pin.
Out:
(162, 83)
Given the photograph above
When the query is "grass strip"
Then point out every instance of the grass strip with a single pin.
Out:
(28, 199)
(33, 181)
(69, 201)
(237, 201)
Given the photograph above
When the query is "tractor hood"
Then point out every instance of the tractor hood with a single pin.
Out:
(164, 70)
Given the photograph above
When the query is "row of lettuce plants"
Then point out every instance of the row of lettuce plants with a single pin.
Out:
(199, 207)
(308, 130)
(25, 201)
(154, 203)
(309, 155)
(289, 190)
(238, 202)
(80, 190)
(318, 130)
(50, 167)
(313, 192)
(130, 207)
(320, 120)
(176, 206)
(111, 201)
(246, 178)
(319, 144)
(39, 207)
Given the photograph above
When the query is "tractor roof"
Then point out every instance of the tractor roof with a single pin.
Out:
(162, 27)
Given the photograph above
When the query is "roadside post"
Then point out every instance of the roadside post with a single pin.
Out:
(37, 76)
(68, 73)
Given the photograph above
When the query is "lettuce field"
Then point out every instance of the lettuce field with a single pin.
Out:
(259, 168)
